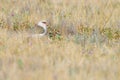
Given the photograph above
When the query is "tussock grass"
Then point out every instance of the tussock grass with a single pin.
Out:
(87, 48)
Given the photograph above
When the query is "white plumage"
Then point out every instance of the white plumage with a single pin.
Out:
(44, 26)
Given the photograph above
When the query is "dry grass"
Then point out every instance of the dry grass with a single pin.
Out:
(89, 49)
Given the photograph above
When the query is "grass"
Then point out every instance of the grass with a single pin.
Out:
(85, 43)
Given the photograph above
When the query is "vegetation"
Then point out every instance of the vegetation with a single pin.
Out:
(83, 40)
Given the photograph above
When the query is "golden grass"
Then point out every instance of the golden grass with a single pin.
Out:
(44, 59)
(91, 53)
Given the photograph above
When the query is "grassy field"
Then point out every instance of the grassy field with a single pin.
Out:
(86, 48)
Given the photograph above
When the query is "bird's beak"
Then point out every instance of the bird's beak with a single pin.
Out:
(45, 23)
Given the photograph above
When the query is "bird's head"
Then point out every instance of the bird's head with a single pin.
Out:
(41, 23)
(44, 22)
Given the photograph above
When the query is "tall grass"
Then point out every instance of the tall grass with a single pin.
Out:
(87, 48)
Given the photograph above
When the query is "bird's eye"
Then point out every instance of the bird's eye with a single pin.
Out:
(44, 22)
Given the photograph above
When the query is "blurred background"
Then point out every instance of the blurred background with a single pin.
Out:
(82, 43)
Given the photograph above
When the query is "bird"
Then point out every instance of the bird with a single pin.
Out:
(42, 24)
